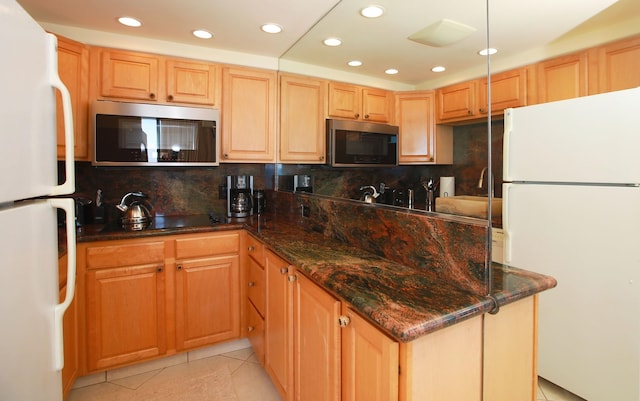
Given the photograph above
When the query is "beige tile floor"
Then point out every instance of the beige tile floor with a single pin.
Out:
(548, 391)
(250, 381)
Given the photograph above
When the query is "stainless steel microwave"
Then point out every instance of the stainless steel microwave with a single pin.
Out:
(136, 134)
(361, 144)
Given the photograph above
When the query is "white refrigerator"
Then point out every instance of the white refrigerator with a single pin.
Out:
(571, 209)
(31, 354)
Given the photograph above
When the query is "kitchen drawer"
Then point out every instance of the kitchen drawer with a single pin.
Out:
(255, 332)
(255, 249)
(125, 254)
(207, 245)
(256, 290)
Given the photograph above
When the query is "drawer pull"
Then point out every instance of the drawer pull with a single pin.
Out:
(179, 267)
(250, 329)
(284, 270)
(160, 269)
(343, 321)
(251, 284)
(251, 248)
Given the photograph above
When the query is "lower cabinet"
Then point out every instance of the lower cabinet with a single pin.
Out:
(69, 330)
(279, 324)
(146, 298)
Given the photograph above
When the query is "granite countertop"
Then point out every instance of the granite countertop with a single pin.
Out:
(403, 302)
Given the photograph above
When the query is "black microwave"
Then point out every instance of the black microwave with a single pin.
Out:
(136, 134)
(361, 144)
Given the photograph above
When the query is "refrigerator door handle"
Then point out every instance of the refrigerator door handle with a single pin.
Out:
(508, 126)
(69, 185)
(506, 228)
(59, 310)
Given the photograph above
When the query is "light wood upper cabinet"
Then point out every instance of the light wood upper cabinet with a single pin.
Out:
(457, 102)
(420, 141)
(248, 115)
(73, 68)
(128, 75)
(370, 361)
(617, 66)
(302, 120)
(317, 343)
(562, 78)
(508, 89)
(279, 325)
(359, 103)
(192, 82)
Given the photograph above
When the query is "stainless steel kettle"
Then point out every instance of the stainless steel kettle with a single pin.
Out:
(138, 214)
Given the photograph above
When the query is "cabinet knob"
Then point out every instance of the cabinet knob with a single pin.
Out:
(321, 158)
(482, 110)
(160, 269)
(251, 284)
(284, 270)
(250, 329)
(226, 156)
(366, 116)
(343, 321)
(292, 278)
(152, 95)
(170, 97)
(357, 115)
(469, 112)
(251, 248)
(179, 267)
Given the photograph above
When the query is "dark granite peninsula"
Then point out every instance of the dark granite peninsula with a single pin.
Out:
(419, 283)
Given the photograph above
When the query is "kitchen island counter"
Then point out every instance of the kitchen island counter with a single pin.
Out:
(403, 302)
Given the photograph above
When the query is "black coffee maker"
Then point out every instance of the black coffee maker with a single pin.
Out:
(239, 195)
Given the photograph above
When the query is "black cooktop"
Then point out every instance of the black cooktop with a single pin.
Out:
(169, 222)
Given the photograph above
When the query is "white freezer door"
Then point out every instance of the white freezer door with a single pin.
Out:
(31, 354)
(28, 111)
(591, 139)
(586, 237)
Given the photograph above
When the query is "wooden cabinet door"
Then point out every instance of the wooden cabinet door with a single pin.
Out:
(317, 343)
(415, 118)
(377, 105)
(73, 68)
(255, 332)
(302, 120)
(129, 75)
(562, 78)
(369, 361)
(190, 82)
(457, 102)
(248, 115)
(510, 371)
(344, 100)
(279, 325)
(70, 336)
(618, 65)
(508, 89)
(207, 301)
(125, 315)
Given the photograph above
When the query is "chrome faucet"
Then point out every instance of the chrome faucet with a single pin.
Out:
(481, 180)
(370, 198)
(122, 206)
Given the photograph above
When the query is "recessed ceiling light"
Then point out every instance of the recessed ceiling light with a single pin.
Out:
(438, 68)
(486, 52)
(391, 71)
(130, 21)
(355, 63)
(271, 28)
(372, 11)
(332, 42)
(202, 34)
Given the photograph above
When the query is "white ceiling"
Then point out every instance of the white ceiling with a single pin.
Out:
(521, 30)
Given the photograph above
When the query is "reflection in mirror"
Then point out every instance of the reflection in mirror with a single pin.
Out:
(383, 43)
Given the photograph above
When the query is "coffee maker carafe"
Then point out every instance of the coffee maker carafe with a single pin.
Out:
(239, 195)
